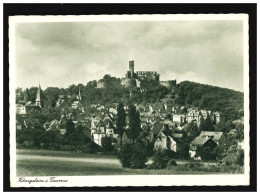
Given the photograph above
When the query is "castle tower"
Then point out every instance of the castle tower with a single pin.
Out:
(38, 97)
(131, 68)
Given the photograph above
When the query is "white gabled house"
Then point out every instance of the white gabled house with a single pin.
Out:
(165, 142)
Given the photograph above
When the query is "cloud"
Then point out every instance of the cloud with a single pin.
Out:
(60, 54)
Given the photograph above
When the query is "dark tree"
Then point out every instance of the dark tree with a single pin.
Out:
(192, 131)
(208, 124)
(202, 126)
(134, 122)
(203, 102)
(106, 144)
(33, 93)
(133, 156)
(27, 95)
(51, 113)
(70, 127)
(120, 121)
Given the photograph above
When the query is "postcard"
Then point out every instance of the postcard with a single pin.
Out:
(129, 100)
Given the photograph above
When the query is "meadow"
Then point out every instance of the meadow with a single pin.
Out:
(57, 163)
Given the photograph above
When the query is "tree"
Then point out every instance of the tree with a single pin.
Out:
(240, 130)
(106, 144)
(27, 95)
(223, 127)
(192, 131)
(203, 102)
(183, 151)
(208, 124)
(133, 156)
(181, 95)
(202, 126)
(70, 127)
(120, 121)
(134, 122)
(51, 113)
(107, 77)
(161, 158)
(33, 93)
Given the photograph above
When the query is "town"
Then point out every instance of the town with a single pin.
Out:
(189, 132)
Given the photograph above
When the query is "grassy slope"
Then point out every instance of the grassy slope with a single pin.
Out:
(62, 154)
(56, 167)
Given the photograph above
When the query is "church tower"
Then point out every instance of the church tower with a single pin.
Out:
(38, 97)
(79, 96)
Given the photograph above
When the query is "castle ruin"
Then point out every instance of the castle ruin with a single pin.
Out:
(140, 79)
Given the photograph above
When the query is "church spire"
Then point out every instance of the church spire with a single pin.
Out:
(38, 97)
(79, 96)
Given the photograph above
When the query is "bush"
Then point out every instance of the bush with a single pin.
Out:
(106, 144)
(194, 165)
(92, 147)
(235, 158)
(172, 163)
(132, 156)
(200, 167)
(162, 157)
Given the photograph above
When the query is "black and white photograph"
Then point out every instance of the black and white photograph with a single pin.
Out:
(129, 100)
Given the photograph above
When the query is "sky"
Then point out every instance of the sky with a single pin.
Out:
(60, 54)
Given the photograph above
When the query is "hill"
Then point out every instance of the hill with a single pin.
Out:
(186, 93)
(208, 97)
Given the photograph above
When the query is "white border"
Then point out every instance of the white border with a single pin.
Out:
(140, 180)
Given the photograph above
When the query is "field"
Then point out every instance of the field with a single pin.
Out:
(59, 163)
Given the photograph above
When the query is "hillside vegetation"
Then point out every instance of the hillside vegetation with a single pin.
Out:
(189, 94)
(227, 101)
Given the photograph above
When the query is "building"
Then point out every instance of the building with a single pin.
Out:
(200, 142)
(180, 118)
(140, 79)
(165, 142)
(97, 136)
(38, 101)
(53, 125)
(217, 137)
(25, 110)
(218, 117)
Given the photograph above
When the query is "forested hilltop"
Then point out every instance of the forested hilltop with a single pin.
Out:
(186, 93)
(227, 101)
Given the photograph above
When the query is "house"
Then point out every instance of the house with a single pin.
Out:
(62, 131)
(143, 122)
(53, 125)
(218, 117)
(156, 129)
(193, 115)
(165, 142)
(179, 118)
(62, 104)
(109, 129)
(200, 142)
(217, 137)
(126, 138)
(177, 136)
(97, 136)
(76, 105)
(23, 110)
